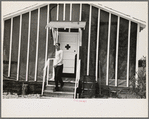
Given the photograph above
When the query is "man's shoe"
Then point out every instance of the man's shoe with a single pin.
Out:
(55, 89)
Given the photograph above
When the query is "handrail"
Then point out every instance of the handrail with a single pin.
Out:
(48, 70)
(77, 77)
(44, 73)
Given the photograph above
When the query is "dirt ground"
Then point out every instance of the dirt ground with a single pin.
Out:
(15, 96)
(38, 96)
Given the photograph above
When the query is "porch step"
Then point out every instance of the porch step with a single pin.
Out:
(66, 83)
(64, 89)
(66, 92)
(58, 94)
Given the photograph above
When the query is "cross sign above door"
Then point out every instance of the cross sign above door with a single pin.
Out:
(67, 46)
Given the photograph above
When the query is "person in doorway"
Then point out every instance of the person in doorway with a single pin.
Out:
(58, 66)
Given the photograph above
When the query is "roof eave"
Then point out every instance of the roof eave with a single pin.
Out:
(23, 11)
(142, 23)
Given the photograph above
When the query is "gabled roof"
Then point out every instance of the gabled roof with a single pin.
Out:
(107, 9)
(120, 14)
(23, 11)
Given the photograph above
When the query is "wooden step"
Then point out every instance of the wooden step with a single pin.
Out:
(64, 89)
(47, 97)
(59, 94)
(65, 83)
(66, 92)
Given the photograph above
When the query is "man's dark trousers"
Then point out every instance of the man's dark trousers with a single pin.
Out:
(58, 75)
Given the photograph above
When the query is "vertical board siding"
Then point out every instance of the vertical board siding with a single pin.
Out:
(6, 42)
(128, 53)
(61, 7)
(10, 47)
(103, 41)
(123, 45)
(133, 40)
(64, 10)
(51, 48)
(46, 48)
(19, 49)
(89, 40)
(117, 45)
(28, 45)
(97, 53)
(33, 38)
(75, 12)
(14, 51)
(108, 49)
(47, 34)
(52, 17)
(112, 53)
(85, 17)
(42, 43)
(57, 14)
(37, 45)
(53, 12)
(67, 12)
(94, 24)
(137, 50)
(70, 12)
(80, 12)
(24, 42)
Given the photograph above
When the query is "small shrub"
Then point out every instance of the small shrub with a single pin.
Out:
(139, 88)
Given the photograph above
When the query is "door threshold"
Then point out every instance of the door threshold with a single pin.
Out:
(69, 75)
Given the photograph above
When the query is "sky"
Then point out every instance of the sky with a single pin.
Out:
(138, 10)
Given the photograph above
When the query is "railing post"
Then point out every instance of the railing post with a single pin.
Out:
(76, 83)
(44, 75)
(77, 77)
(46, 51)
(44, 71)
(47, 71)
(47, 65)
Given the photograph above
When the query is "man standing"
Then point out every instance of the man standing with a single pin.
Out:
(58, 66)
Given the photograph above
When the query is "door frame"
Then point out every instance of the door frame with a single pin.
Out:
(78, 52)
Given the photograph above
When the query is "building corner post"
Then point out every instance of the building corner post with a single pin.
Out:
(137, 50)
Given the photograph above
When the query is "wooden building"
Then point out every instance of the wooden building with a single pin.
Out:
(98, 42)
